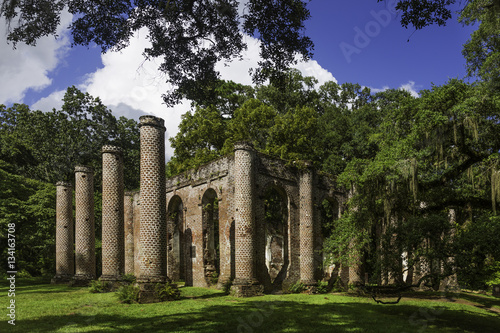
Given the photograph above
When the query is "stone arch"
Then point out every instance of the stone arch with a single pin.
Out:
(210, 232)
(178, 248)
(275, 234)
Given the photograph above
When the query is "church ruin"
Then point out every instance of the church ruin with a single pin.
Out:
(246, 218)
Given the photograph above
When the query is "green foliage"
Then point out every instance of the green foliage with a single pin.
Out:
(47, 145)
(30, 205)
(190, 36)
(296, 288)
(322, 287)
(98, 286)
(226, 286)
(482, 50)
(37, 149)
(128, 278)
(167, 292)
(214, 278)
(128, 294)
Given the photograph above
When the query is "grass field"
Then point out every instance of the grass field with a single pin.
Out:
(42, 307)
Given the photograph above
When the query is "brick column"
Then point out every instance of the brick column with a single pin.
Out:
(153, 231)
(128, 203)
(65, 264)
(84, 226)
(245, 283)
(306, 227)
(112, 214)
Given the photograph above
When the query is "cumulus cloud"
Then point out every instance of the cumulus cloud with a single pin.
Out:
(53, 101)
(28, 67)
(131, 86)
(411, 87)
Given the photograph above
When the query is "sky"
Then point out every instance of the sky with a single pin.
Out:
(358, 41)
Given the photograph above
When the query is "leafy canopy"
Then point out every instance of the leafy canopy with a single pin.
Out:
(190, 36)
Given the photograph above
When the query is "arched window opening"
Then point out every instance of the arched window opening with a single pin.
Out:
(211, 247)
(176, 259)
(276, 235)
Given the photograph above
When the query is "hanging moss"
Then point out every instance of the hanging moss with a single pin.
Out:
(495, 188)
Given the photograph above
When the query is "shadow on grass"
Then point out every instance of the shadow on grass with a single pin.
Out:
(270, 316)
(486, 302)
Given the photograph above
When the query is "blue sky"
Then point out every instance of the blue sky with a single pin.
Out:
(359, 41)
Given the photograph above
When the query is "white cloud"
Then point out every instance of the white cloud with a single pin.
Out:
(131, 86)
(312, 68)
(28, 67)
(410, 87)
(53, 101)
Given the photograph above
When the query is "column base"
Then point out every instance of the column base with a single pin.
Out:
(310, 286)
(247, 288)
(113, 282)
(61, 279)
(81, 280)
(156, 289)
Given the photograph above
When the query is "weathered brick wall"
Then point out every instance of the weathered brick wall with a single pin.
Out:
(260, 172)
(113, 249)
(64, 233)
(187, 190)
(84, 225)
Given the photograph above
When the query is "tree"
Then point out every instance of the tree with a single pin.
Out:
(190, 35)
(30, 204)
(430, 186)
(47, 146)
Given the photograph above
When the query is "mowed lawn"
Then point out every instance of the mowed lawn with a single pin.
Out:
(42, 307)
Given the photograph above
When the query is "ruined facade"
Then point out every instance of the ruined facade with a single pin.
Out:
(246, 218)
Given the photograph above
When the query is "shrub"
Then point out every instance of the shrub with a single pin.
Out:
(128, 294)
(214, 278)
(226, 287)
(167, 292)
(97, 286)
(128, 278)
(297, 288)
(322, 287)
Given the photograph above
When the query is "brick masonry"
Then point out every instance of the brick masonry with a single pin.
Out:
(306, 212)
(153, 228)
(65, 265)
(113, 247)
(84, 226)
(243, 246)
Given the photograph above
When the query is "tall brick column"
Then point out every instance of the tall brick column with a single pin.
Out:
(84, 226)
(306, 227)
(113, 265)
(153, 231)
(245, 283)
(64, 233)
(128, 203)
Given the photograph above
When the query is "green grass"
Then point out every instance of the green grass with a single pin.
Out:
(48, 308)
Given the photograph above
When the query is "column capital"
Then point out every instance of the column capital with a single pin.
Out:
(84, 168)
(112, 150)
(243, 145)
(64, 184)
(152, 121)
